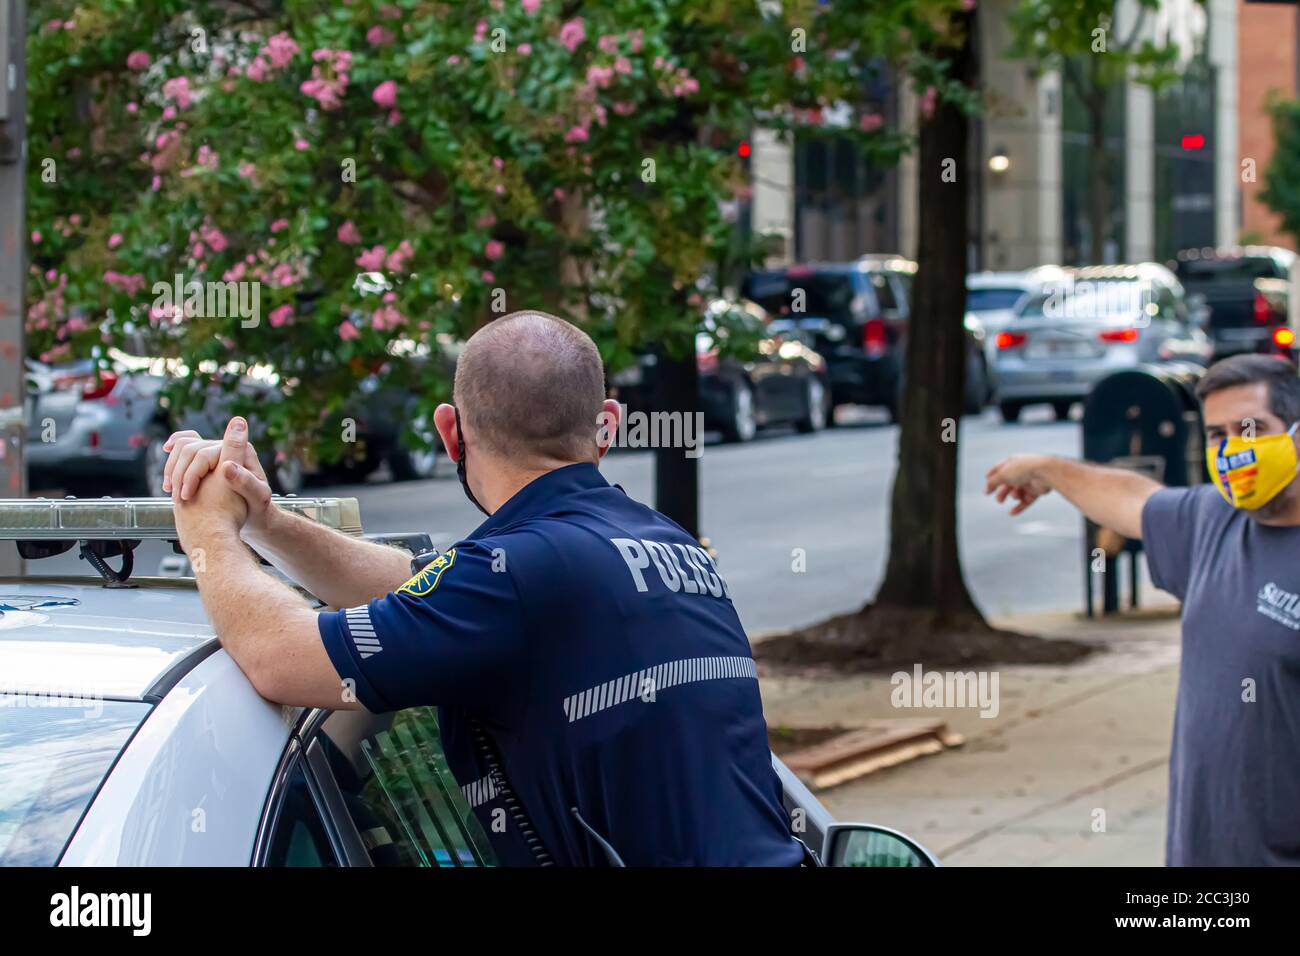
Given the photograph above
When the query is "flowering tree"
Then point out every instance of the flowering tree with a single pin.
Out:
(482, 156)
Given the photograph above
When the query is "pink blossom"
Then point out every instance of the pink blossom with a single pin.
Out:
(281, 49)
(178, 89)
(480, 30)
(636, 37)
(380, 36)
(493, 250)
(246, 169)
(558, 193)
(531, 6)
(524, 49)
(453, 60)
(279, 225)
(301, 145)
(36, 237)
(132, 107)
(599, 76)
(870, 122)
(137, 60)
(608, 43)
(386, 317)
(394, 117)
(968, 5)
(624, 108)
(348, 331)
(385, 94)
(348, 233)
(372, 260)
(927, 101)
(486, 221)
(208, 157)
(398, 258)
(488, 276)
(623, 65)
(572, 33)
(155, 184)
(498, 162)
(281, 316)
(576, 134)
(114, 240)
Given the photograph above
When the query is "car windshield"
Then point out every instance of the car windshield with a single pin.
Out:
(1213, 271)
(989, 300)
(54, 752)
(825, 294)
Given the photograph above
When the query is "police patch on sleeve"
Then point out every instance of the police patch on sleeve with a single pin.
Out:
(424, 582)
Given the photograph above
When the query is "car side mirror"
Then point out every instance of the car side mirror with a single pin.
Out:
(865, 844)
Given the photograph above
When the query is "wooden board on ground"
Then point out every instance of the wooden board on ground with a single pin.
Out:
(880, 744)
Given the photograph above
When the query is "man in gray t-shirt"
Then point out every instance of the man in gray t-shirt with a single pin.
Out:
(1230, 551)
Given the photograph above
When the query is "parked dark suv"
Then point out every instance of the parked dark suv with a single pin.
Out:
(857, 312)
(1247, 291)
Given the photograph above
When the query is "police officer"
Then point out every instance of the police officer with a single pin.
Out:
(1228, 551)
(577, 641)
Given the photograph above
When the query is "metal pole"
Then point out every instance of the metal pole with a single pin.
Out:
(13, 260)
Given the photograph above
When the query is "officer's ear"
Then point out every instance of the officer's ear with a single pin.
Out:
(444, 419)
(607, 429)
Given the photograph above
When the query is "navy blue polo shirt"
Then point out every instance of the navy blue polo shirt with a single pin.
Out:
(597, 643)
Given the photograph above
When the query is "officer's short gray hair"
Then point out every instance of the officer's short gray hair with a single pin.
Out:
(1278, 374)
(530, 385)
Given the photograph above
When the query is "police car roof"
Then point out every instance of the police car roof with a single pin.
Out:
(74, 637)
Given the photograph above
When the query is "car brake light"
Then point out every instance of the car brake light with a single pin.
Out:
(1009, 340)
(1119, 335)
(1261, 307)
(873, 338)
(1284, 337)
(92, 387)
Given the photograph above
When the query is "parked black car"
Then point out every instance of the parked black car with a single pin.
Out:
(857, 315)
(1247, 291)
(780, 381)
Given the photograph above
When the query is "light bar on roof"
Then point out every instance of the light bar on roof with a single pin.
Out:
(115, 519)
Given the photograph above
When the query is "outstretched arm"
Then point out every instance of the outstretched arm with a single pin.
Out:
(1110, 497)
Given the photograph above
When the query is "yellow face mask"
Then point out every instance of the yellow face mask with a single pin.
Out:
(1250, 472)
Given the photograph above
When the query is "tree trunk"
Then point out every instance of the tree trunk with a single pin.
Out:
(677, 477)
(1098, 184)
(924, 570)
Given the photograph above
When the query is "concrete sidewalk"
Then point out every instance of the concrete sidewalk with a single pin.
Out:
(1071, 771)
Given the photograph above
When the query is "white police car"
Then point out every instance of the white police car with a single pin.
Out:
(128, 737)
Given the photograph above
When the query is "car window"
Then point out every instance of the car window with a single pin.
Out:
(988, 300)
(1201, 272)
(803, 291)
(300, 838)
(399, 791)
(54, 753)
(884, 290)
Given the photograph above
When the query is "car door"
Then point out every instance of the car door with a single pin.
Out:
(391, 796)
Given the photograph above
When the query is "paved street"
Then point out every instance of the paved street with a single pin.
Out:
(826, 493)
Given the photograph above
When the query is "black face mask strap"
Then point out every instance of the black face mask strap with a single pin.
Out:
(460, 467)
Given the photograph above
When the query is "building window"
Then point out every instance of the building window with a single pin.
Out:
(1185, 137)
(1076, 189)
